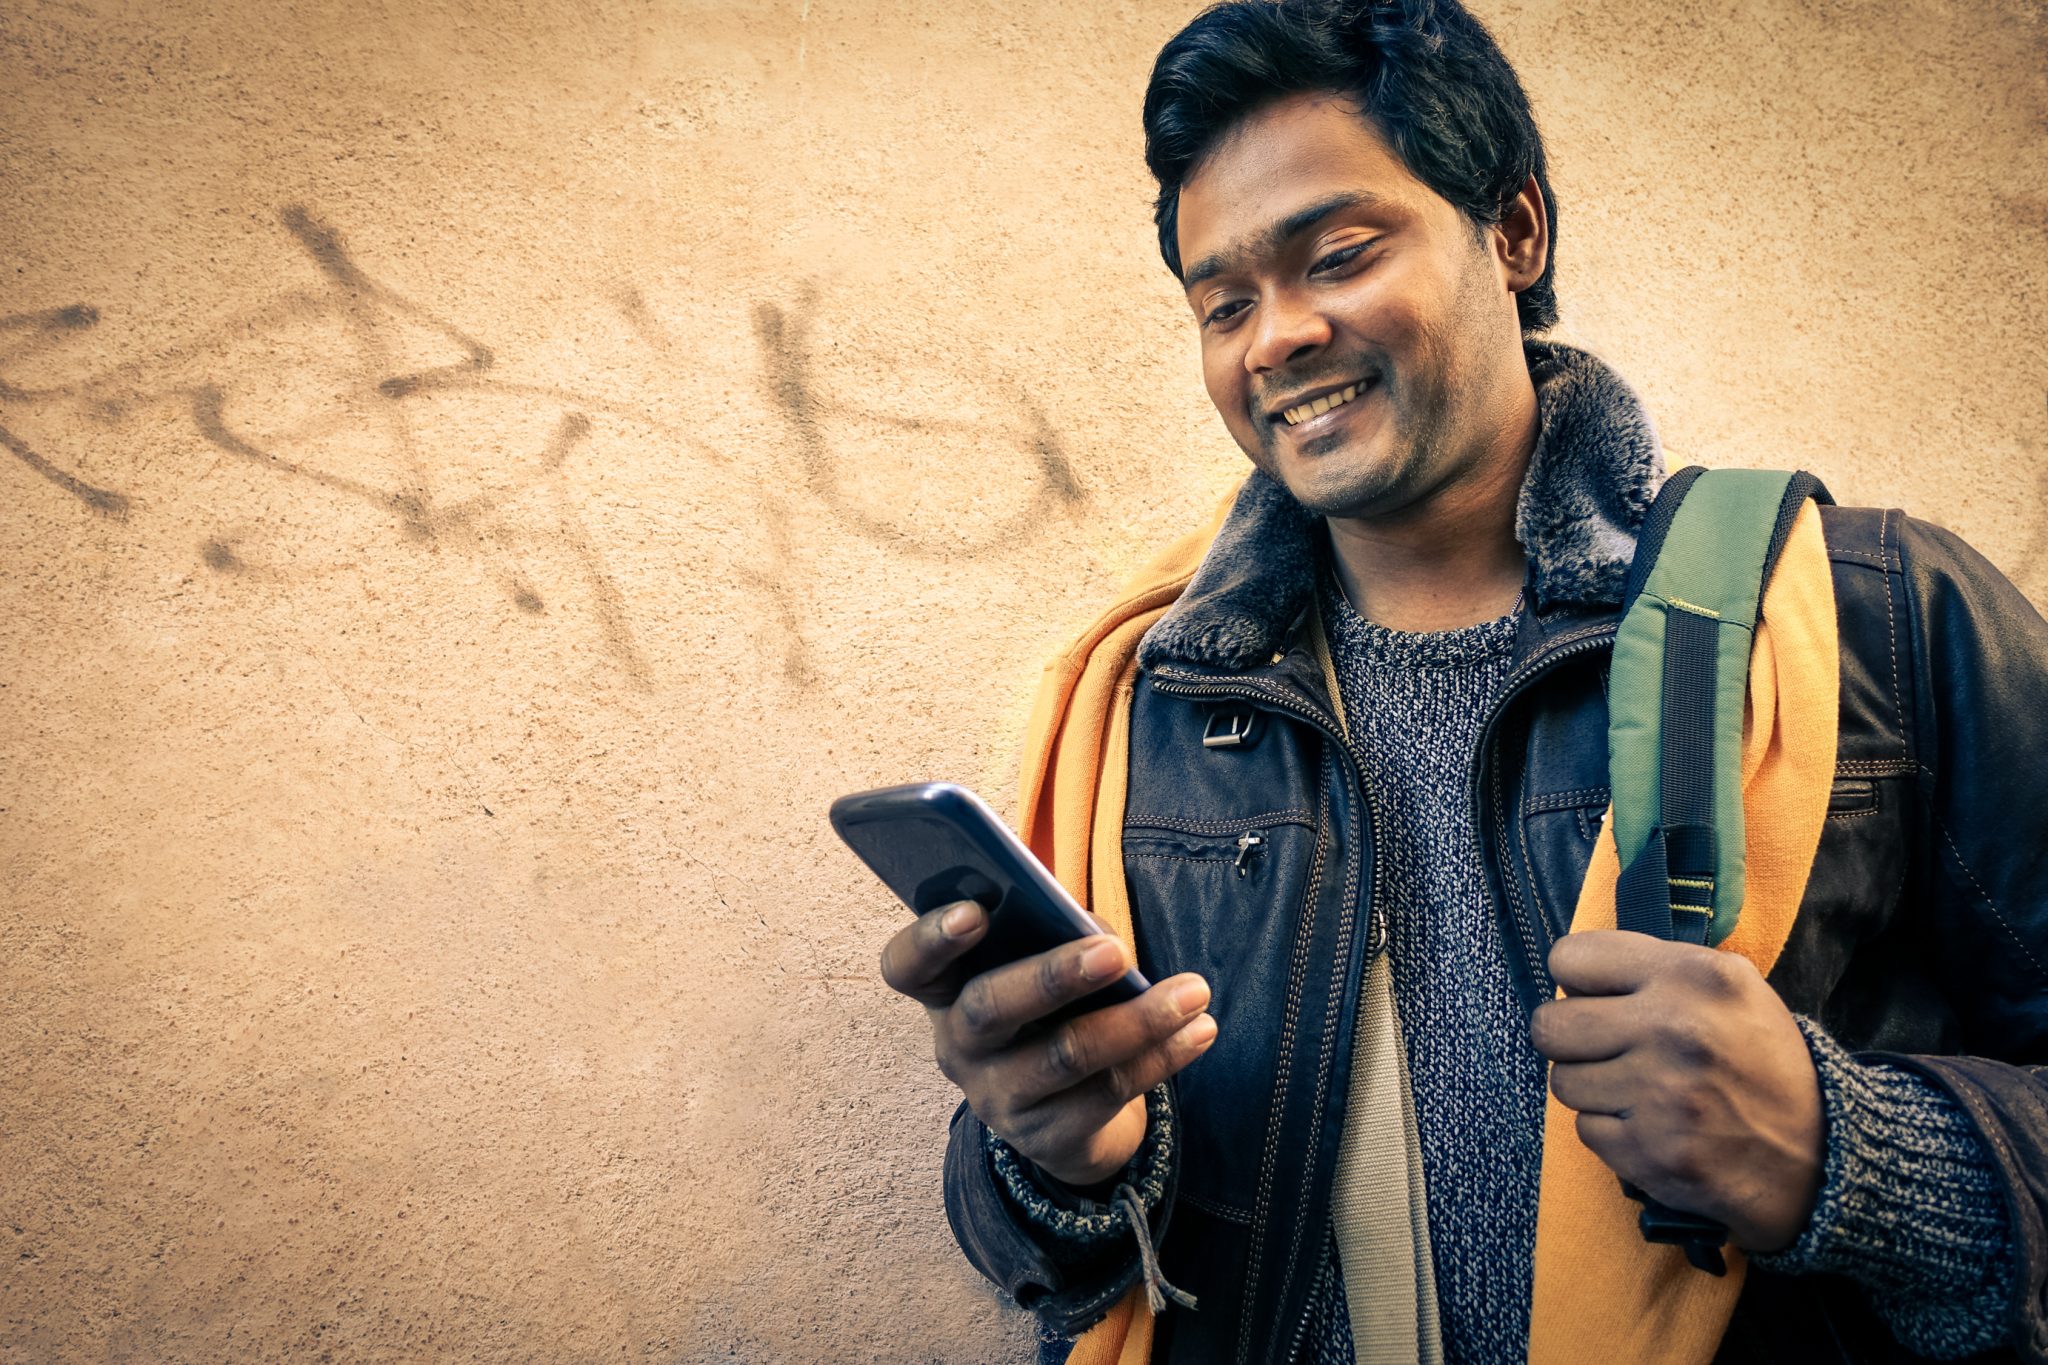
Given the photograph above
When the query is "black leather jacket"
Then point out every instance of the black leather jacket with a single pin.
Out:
(1923, 933)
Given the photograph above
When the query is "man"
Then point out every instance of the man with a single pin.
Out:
(1401, 632)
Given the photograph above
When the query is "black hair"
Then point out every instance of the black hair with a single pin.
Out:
(1424, 72)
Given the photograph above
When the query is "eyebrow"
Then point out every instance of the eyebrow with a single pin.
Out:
(1278, 235)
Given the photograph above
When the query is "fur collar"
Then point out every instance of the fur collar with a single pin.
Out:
(1592, 476)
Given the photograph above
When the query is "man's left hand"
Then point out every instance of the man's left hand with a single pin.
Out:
(1690, 1080)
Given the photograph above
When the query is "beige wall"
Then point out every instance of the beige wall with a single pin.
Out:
(481, 478)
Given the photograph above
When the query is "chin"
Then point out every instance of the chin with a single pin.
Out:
(1337, 484)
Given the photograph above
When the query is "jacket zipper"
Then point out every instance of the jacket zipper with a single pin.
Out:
(1518, 683)
(1376, 923)
(1252, 835)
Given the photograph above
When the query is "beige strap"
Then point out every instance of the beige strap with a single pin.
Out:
(1379, 1208)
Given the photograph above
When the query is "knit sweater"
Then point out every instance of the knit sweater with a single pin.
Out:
(1414, 704)
(1908, 1205)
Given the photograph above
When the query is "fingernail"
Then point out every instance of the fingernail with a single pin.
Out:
(960, 919)
(1201, 1032)
(1102, 961)
(1190, 996)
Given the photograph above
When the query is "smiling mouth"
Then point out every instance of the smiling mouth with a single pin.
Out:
(1316, 407)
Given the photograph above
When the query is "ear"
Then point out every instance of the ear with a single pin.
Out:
(1521, 240)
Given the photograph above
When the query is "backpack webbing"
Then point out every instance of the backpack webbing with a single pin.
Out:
(1676, 694)
(1675, 699)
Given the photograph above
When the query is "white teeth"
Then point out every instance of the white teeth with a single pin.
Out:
(1296, 416)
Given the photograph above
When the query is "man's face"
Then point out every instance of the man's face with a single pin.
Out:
(1321, 271)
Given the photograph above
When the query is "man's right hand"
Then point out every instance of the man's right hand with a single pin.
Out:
(1071, 1099)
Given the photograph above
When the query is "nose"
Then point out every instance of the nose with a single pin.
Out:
(1288, 327)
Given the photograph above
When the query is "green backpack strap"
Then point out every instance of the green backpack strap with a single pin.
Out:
(1676, 694)
(1675, 700)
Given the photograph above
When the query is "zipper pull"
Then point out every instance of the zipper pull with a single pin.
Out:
(1376, 934)
(1247, 844)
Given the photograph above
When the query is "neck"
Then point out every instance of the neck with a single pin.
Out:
(1449, 559)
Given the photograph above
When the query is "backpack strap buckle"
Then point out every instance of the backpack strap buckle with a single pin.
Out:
(1700, 1238)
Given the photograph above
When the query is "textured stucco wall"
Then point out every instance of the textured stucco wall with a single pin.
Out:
(478, 479)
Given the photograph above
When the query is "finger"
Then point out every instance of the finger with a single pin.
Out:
(1119, 1036)
(1611, 961)
(1606, 1137)
(1102, 1096)
(1596, 1087)
(1586, 1028)
(919, 959)
(993, 1006)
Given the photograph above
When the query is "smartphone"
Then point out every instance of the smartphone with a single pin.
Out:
(934, 843)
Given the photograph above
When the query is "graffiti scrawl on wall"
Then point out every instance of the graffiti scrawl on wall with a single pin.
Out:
(785, 338)
(481, 517)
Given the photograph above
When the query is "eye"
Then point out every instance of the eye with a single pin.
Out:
(1337, 260)
(1225, 312)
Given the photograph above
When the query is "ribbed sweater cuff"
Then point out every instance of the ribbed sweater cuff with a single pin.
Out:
(1909, 1206)
(1076, 1221)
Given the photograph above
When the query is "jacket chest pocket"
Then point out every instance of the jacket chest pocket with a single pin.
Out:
(1223, 898)
(1850, 911)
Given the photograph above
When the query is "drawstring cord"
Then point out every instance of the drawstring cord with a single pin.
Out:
(1157, 1289)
